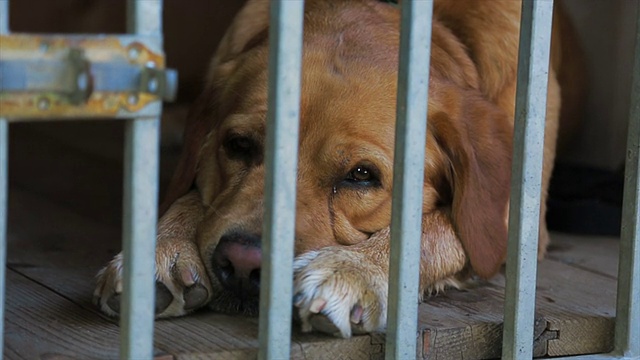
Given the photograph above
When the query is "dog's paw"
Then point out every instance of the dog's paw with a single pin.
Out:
(340, 292)
(182, 284)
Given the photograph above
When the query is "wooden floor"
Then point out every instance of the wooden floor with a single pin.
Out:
(64, 224)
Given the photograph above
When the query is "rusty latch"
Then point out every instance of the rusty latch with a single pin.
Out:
(76, 76)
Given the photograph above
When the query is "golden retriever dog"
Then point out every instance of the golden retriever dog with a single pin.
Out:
(208, 251)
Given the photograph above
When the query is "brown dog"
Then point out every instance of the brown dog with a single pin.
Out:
(209, 236)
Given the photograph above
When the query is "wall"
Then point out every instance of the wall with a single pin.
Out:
(606, 29)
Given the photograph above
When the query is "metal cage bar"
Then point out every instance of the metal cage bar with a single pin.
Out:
(139, 235)
(4, 179)
(4, 184)
(406, 222)
(140, 208)
(4, 17)
(281, 161)
(627, 333)
(524, 211)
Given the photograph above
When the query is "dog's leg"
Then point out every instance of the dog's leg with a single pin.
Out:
(343, 289)
(550, 142)
(182, 284)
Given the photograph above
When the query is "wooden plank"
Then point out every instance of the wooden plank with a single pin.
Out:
(587, 335)
(41, 324)
(575, 306)
(580, 306)
(593, 253)
(468, 324)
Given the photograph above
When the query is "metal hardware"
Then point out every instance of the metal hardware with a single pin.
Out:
(82, 76)
(69, 77)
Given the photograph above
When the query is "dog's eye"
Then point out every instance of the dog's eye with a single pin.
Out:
(362, 176)
(360, 173)
(239, 145)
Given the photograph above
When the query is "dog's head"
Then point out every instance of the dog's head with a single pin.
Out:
(345, 167)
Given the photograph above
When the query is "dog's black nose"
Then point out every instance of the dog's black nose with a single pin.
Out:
(236, 263)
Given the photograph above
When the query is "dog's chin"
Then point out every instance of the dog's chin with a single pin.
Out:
(227, 302)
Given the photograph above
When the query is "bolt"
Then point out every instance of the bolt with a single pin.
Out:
(43, 104)
(132, 99)
(152, 85)
(82, 81)
(134, 53)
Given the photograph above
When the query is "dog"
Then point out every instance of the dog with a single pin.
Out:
(209, 234)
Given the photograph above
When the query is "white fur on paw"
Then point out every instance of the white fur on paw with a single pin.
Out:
(339, 291)
(109, 283)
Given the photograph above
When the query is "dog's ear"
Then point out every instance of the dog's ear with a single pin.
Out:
(476, 136)
(198, 125)
(249, 28)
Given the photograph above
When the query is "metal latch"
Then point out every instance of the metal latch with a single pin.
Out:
(49, 76)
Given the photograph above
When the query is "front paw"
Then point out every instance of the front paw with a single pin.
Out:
(340, 291)
(181, 282)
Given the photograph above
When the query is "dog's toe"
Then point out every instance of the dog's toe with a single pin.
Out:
(181, 284)
(164, 298)
(322, 323)
(113, 302)
(195, 296)
(339, 292)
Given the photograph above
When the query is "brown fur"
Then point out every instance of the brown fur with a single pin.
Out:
(348, 119)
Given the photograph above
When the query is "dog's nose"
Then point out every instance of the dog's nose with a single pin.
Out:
(236, 263)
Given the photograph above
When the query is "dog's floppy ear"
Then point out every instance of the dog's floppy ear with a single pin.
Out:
(477, 138)
(249, 27)
(198, 125)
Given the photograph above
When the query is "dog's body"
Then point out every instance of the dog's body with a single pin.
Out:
(209, 236)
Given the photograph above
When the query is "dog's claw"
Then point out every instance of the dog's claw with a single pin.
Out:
(317, 305)
(356, 314)
(187, 277)
(334, 296)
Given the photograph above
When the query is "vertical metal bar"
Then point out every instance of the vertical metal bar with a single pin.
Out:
(285, 58)
(406, 222)
(4, 17)
(4, 184)
(524, 213)
(144, 17)
(139, 235)
(627, 334)
(140, 208)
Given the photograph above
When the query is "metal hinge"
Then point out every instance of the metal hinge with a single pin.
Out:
(82, 76)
